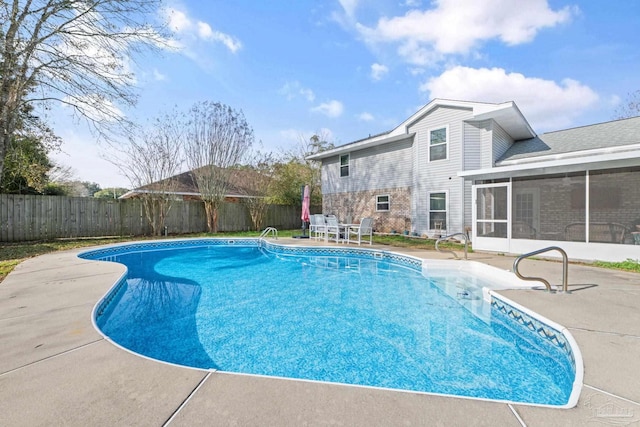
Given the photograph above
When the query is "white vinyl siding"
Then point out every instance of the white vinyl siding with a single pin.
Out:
(376, 168)
(472, 145)
(501, 142)
(439, 176)
(472, 159)
(486, 144)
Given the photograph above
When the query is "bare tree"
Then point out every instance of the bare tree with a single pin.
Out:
(630, 107)
(60, 172)
(255, 181)
(75, 52)
(218, 138)
(151, 161)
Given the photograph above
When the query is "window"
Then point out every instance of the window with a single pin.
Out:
(438, 211)
(382, 203)
(344, 165)
(438, 139)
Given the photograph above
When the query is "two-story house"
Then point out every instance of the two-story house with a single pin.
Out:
(457, 166)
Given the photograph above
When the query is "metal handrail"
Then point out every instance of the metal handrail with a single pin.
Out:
(466, 243)
(565, 268)
(272, 230)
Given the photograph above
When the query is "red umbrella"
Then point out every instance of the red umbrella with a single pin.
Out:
(305, 204)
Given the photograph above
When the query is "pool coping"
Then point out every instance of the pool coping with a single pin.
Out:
(48, 357)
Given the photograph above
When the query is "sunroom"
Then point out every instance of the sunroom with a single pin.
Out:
(587, 203)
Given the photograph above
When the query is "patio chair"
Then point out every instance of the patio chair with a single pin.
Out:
(355, 233)
(601, 232)
(332, 228)
(523, 230)
(317, 227)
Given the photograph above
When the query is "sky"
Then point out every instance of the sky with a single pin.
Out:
(348, 69)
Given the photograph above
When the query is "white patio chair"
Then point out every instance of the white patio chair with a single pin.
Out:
(357, 232)
(332, 229)
(317, 228)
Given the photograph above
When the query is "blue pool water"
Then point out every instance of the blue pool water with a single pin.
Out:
(340, 319)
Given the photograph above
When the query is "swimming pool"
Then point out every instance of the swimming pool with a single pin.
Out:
(352, 316)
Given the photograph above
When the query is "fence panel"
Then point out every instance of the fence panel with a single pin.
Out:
(29, 217)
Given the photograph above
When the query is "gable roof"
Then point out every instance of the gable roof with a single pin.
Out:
(602, 136)
(240, 185)
(614, 144)
(506, 114)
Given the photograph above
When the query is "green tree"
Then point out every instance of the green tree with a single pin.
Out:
(26, 158)
(55, 189)
(78, 188)
(296, 171)
(110, 193)
(26, 166)
(288, 179)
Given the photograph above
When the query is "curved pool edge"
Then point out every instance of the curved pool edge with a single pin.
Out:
(506, 279)
(527, 318)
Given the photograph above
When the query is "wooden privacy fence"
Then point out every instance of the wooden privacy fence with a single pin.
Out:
(29, 217)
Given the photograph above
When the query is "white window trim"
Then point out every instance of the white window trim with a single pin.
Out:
(535, 192)
(348, 166)
(388, 202)
(446, 207)
(446, 143)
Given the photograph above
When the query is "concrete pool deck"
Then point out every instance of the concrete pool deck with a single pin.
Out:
(56, 369)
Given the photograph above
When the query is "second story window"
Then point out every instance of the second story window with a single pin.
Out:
(344, 165)
(438, 139)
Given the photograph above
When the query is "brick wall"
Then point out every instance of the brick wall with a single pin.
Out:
(354, 206)
(614, 199)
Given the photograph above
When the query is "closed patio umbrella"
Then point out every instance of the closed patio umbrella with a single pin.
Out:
(306, 202)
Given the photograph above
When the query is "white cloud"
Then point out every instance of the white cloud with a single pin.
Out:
(158, 76)
(294, 89)
(204, 30)
(206, 33)
(378, 71)
(349, 6)
(330, 109)
(365, 117)
(459, 26)
(186, 28)
(178, 21)
(546, 104)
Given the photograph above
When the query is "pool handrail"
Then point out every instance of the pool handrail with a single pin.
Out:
(266, 231)
(565, 268)
(466, 244)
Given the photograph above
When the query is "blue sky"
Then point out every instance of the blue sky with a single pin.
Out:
(351, 68)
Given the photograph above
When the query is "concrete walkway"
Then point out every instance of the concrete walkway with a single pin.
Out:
(55, 369)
